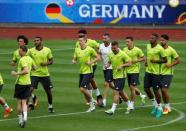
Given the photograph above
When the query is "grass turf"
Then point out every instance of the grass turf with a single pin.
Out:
(70, 105)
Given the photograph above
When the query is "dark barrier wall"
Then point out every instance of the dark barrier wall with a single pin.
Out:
(93, 11)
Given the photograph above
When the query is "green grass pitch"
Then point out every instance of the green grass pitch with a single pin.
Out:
(70, 105)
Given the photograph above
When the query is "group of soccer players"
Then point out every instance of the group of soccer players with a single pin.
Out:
(32, 68)
(118, 65)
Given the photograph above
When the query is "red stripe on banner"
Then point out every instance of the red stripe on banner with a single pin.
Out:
(52, 10)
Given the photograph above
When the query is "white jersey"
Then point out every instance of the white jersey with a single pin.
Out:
(104, 51)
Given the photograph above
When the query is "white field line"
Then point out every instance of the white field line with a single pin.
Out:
(78, 113)
(180, 117)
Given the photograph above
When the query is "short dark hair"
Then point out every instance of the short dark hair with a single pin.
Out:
(24, 38)
(165, 36)
(81, 36)
(156, 35)
(115, 43)
(39, 37)
(106, 34)
(83, 31)
(24, 48)
(129, 37)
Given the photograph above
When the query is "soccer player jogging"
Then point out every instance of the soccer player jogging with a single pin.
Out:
(23, 41)
(167, 70)
(22, 84)
(155, 57)
(3, 102)
(86, 57)
(93, 44)
(104, 50)
(43, 57)
(136, 56)
(119, 61)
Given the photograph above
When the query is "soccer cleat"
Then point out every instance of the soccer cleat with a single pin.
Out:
(30, 107)
(153, 112)
(129, 110)
(120, 100)
(35, 101)
(87, 103)
(51, 110)
(104, 104)
(94, 102)
(91, 109)
(22, 124)
(165, 111)
(100, 101)
(169, 109)
(159, 113)
(109, 112)
(7, 112)
(143, 100)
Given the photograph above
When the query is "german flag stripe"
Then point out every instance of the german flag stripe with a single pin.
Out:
(52, 10)
(53, 5)
(53, 15)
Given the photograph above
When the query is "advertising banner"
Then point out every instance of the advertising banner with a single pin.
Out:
(93, 11)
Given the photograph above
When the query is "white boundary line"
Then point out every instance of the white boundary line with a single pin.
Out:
(78, 113)
(180, 117)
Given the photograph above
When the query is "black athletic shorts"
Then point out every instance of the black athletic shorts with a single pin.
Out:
(1, 87)
(22, 91)
(166, 81)
(108, 75)
(119, 84)
(152, 80)
(45, 81)
(133, 79)
(94, 67)
(84, 80)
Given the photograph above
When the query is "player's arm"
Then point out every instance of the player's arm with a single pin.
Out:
(96, 59)
(95, 45)
(109, 62)
(160, 61)
(14, 61)
(49, 62)
(22, 72)
(140, 59)
(163, 57)
(50, 59)
(107, 65)
(97, 49)
(145, 62)
(34, 67)
(74, 60)
(175, 61)
(126, 62)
